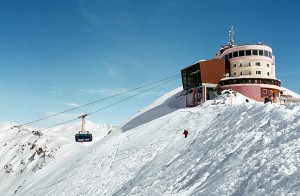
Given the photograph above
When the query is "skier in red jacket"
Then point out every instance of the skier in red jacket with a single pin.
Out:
(185, 132)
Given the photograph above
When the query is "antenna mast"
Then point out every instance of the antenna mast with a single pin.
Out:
(231, 33)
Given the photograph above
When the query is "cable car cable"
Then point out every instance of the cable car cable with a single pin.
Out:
(65, 122)
(91, 113)
(90, 103)
(130, 97)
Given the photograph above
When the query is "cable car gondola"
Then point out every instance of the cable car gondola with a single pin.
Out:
(83, 135)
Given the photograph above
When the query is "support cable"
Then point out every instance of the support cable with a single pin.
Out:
(65, 122)
(90, 103)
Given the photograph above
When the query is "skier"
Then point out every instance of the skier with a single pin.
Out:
(185, 132)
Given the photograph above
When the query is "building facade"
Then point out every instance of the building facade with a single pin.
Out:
(248, 69)
(252, 71)
(201, 79)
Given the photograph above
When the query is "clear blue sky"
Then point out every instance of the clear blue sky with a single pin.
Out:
(56, 54)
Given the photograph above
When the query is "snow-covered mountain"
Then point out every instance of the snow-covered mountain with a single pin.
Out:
(236, 148)
(26, 150)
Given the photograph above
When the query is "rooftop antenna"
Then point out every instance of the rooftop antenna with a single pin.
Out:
(231, 33)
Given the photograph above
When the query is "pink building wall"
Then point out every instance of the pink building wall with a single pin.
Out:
(251, 91)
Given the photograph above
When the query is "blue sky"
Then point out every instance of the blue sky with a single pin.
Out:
(59, 54)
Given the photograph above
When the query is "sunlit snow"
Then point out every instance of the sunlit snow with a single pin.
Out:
(236, 148)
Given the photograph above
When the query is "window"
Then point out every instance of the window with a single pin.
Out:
(249, 72)
(226, 57)
(241, 65)
(254, 52)
(235, 54)
(268, 65)
(241, 73)
(257, 63)
(249, 64)
(268, 73)
(258, 72)
(261, 53)
(248, 52)
(234, 65)
(264, 91)
(230, 55)
(242, 53)
(266, 53)
(234, 73)
(270, 54)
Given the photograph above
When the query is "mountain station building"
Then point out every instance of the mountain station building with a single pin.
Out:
(247, 69)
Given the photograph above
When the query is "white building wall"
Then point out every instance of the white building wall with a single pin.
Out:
(255, 66)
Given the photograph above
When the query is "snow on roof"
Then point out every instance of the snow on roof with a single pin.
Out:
(289, 92)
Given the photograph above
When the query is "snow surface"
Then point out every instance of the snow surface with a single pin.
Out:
(236, 148)
(289, 92)
(24, 150)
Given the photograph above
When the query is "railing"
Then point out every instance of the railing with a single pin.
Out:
(285, 100)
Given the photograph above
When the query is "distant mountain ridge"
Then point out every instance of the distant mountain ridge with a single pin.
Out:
(26, 150)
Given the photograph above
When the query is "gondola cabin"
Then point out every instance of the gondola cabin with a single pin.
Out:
(83, 137)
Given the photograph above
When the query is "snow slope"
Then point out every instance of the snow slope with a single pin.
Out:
(238, 149)
(289, 92)
(26, 150)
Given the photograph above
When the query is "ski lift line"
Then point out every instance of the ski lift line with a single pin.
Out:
(118, 94)
(65, 122)
(87, 104)
(62, 123)
(110, 105)
(131, 97)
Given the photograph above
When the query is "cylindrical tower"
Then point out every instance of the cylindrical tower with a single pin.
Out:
(252, 71)
(250, 60)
